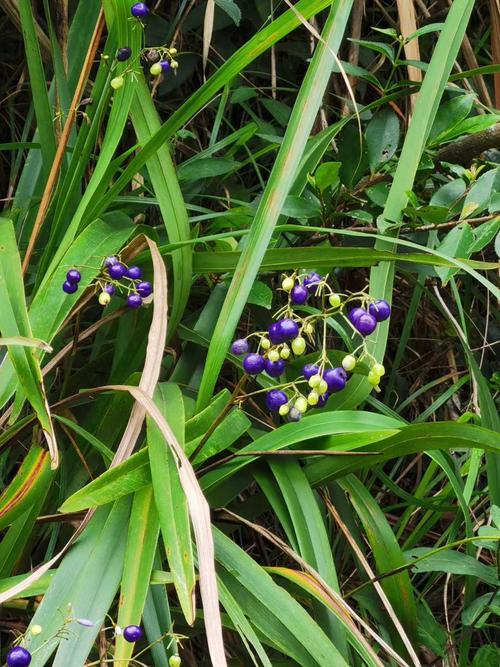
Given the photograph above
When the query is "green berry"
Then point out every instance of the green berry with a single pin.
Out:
(265, 343)
(378, 369)
(117, 82)
(315, 380)
(299, 345)
(285, 352)
(322, 387)
(349, 363)
(373, 378)
(288, 284)
(155, 69)
(273, 355)
(174, 661)
(313, 398)
(284, 410)
(301, 404)
(335, 300)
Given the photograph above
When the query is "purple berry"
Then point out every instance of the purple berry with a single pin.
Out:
(18, 657)
(117, 271)
(73, 276)
(274, 332)
(144, 289)
(134, 301)
(134, 272)
(274, 368)
(165, 66)
(380, 310)
(288, 329)
(366, 324)
(311, 282)
(309, 370)
(323, 400)
(124, 53)
(335, 378)
(110, 289)
(355, 314)
(109, 261)
(139, 10)
(275, 399)
(253, 364)
(132, 633)
(69, 288)
(299, 295)
(239, 346)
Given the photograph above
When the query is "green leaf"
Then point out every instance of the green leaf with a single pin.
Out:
(382, 137)
(14, 322)
(387, 553)
(170, 498)
(261, 295)
(378, 47)
(326, 175)
(87, 579)
(142, 540)
(455, 244)
(273, 611)
(122, 480)
(452, 562)
(197, 168)
(478, 198)
(231, 9)
(43, 110)
(449, 115)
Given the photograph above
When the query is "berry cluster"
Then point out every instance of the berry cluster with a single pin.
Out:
(161, 59)
(115, 277)
(291, 333)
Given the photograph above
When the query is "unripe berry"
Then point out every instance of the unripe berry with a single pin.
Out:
(174, 661)
(315, 380)
(373, 378)
(295, 415)
(36, 630)
(174, 64)
(173, 51)
(322, 387)
(104, 298)
(378, 369)
(117, 82)
(265, 343)
(349, 363)
(313, 398)
(299, 345)
(335, 300)
(288, 284)
(273, 355)
(284, 410)
(285, 352)
(155, 69)
(301, 404)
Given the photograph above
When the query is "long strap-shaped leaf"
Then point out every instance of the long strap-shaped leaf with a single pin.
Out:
(14, 322)
(382, 277)
(280, 182)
